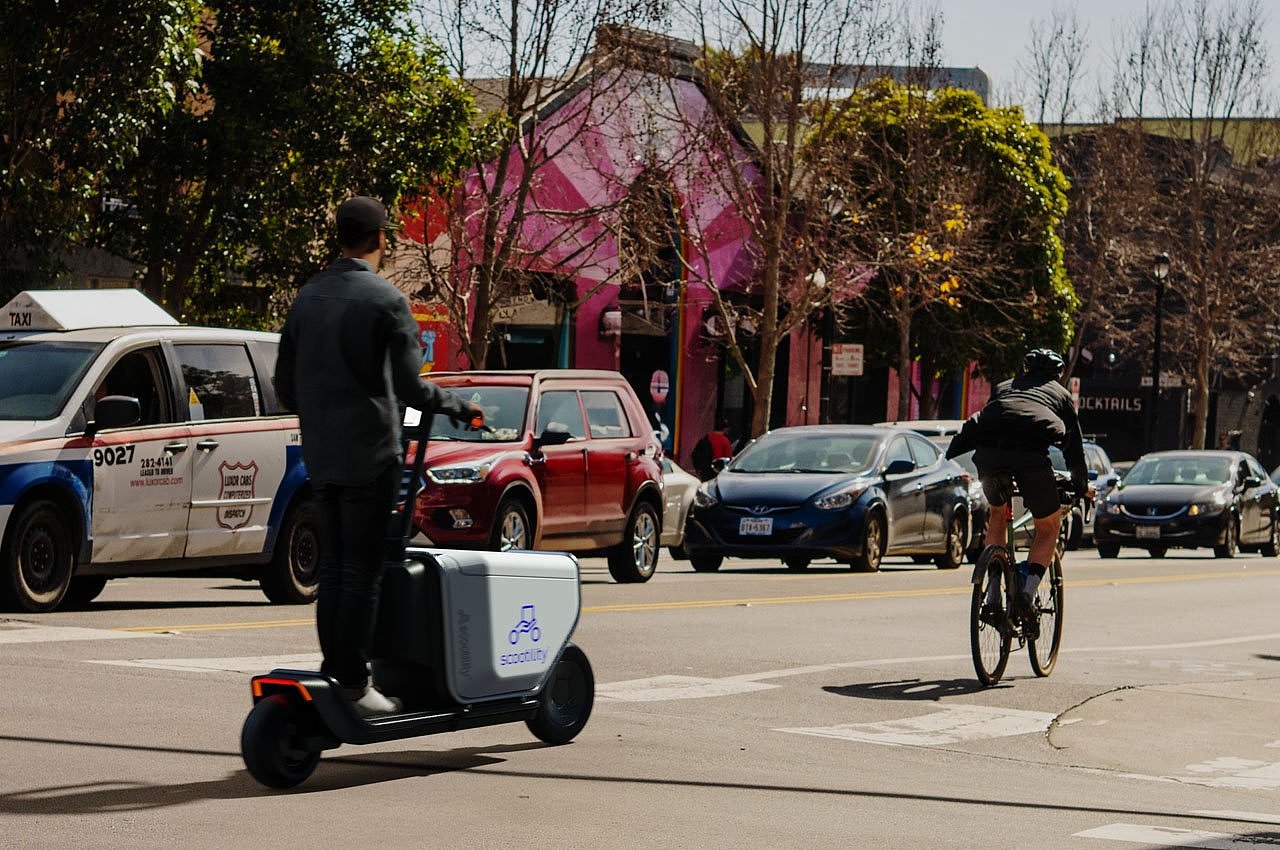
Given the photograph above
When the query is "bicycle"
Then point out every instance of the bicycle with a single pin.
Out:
(993, 630)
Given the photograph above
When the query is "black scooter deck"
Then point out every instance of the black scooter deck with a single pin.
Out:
(338, 722)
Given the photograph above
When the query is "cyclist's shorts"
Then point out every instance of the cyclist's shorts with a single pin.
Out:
(998, 469)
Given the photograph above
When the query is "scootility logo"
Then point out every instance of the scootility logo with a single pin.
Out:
(527, 625)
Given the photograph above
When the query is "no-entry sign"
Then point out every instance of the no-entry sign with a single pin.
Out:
(658, 386)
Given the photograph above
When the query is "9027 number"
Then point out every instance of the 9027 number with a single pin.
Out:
(113, 455)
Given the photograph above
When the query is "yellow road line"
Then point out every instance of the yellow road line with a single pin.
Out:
(743, 601)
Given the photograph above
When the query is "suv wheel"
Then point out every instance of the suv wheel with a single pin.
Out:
(511, 528)
(636, 557)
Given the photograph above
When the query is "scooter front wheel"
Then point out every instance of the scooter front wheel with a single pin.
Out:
(269, 748)
(566, 700)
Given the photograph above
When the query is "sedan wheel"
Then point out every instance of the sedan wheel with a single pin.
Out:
(1231, 541)
(1272, 547)
(873, 544)
(953, 557)
(795, 562)
(706, 563)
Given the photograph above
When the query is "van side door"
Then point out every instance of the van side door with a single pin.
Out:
(239, 454)
(141, 473)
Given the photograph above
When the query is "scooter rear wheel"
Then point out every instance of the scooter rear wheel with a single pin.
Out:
(267, 744)
(566, 700)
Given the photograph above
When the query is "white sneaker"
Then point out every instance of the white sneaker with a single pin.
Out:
(374, 702)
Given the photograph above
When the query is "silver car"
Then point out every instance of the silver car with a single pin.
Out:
(678, 489)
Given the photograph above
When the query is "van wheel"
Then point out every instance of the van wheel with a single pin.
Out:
(511, 527)
(635, 559)
(38, 558)
(84, 589)
(292, 577)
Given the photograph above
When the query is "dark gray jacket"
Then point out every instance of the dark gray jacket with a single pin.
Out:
(348, 351)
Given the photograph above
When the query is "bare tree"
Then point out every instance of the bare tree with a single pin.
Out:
(1204, 68)
(535, 68)
(778, 68)
(1053, 70)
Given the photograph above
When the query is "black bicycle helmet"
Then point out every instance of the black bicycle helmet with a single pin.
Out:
(1043, 361)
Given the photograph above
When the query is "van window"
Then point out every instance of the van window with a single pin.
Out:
(139, 375)
(605, 414)
(220, 381)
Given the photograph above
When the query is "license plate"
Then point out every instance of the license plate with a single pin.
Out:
(1148, 532)
(755, 526)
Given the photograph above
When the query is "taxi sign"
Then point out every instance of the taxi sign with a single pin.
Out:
(73, 309)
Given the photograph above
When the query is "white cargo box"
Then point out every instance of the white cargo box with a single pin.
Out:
(509, 615)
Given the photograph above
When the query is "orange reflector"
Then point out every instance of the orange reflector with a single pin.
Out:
(259, 681)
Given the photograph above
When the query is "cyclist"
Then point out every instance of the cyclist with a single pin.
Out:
(1010, 438)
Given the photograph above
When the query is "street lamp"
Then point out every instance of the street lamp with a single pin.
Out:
(1159, 271)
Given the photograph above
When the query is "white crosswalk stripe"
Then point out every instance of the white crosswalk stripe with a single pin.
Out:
(951, 725)
(17, 632)
(246, 665)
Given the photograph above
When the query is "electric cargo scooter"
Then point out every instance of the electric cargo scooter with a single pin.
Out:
(465, 639)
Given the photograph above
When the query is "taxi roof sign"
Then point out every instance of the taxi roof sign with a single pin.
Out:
(75, 309)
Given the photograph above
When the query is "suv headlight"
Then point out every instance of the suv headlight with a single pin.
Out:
(840, 500)
(704, 497)
(459, 474)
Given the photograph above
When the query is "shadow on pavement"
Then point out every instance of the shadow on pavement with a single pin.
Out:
(911, 689)
(334, 773)
(337, 773)
(1264, 657)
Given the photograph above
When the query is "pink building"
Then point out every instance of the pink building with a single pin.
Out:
(624, 217)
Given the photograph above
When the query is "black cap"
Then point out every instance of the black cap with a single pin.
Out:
(358, 217)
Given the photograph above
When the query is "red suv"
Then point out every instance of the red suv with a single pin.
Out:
(569, 463)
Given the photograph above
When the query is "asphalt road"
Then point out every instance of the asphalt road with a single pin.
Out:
(753, 707)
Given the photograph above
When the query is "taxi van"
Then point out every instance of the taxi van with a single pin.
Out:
(131, 444)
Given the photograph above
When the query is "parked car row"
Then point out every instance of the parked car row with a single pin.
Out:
(130, 444)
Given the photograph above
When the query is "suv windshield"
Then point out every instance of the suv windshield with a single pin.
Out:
(504, 410)
(37, 377)
(825, 453)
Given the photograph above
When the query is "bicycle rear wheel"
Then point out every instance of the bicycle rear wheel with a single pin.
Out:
(1044, 650)
(989, 637)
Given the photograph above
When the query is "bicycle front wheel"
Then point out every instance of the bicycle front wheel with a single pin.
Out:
(1044, 649)
(989, 632)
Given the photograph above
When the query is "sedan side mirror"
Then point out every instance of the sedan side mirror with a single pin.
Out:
(114, 411)
(719, 464)
(1093, 475)
(899, 467)
(1252, 481)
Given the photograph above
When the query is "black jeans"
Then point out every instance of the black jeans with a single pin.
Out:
(352, 525)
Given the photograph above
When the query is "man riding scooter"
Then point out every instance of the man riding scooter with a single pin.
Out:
(348, 353)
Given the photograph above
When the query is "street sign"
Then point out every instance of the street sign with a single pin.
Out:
(658, 386)
(1167, 379)
(846, 358)
(1075, 392)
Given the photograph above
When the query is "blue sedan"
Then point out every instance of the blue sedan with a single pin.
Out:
(849, 492)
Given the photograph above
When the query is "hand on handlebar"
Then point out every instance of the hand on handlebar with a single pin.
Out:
(472, 417)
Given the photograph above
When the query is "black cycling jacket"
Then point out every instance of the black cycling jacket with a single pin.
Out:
(1030, 412)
